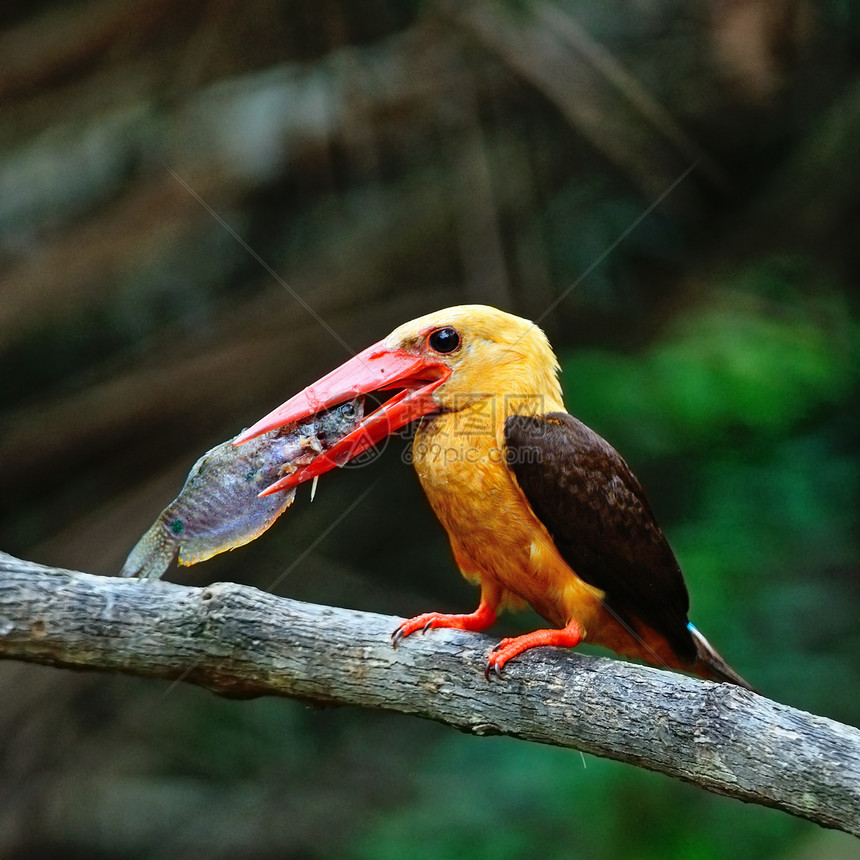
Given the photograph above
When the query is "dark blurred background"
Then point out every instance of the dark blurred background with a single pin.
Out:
(671, 187)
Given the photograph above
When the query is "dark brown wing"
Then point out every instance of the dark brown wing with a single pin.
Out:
(596, 511)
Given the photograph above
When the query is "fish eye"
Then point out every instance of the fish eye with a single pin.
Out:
(444, 340)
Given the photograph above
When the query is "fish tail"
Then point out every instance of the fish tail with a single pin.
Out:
(709, 664)
(151, 555)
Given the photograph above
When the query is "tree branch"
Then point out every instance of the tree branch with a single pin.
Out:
(238, 641)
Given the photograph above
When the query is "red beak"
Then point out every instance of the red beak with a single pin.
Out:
(377, 368)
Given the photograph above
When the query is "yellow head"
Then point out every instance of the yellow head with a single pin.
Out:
(489, 353)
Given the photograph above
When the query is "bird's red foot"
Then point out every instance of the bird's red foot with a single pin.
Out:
(567, 637)
(478, 620)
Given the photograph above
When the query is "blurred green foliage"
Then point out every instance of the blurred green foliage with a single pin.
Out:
(767, 353)
(509, 800)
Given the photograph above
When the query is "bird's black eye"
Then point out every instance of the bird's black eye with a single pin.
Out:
(444, 340)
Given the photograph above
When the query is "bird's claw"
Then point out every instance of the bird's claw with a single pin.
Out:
(421, 623)
(494, 668)
(498, 658)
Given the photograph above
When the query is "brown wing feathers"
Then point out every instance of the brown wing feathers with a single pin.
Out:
(597, 514)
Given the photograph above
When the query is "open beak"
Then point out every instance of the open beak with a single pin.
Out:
(377, 368)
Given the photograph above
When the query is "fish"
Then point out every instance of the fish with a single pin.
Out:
(219, 507)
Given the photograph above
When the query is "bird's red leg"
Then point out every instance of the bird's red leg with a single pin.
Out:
(566, 637)
(478, 620)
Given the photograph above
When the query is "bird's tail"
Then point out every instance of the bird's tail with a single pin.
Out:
(710, 665)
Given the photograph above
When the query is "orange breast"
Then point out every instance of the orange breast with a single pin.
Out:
(459, 458)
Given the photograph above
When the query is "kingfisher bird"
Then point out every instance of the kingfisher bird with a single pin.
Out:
(539, 509)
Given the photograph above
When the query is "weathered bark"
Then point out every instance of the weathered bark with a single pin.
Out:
(238, 641)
